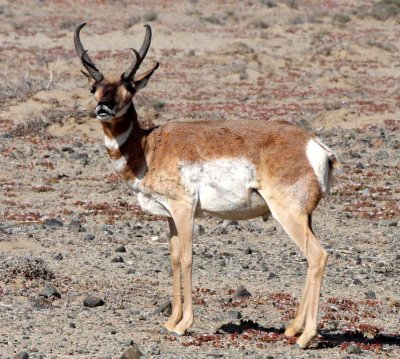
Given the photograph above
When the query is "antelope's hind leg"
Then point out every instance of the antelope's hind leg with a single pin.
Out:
(298, 226)
(176, 315)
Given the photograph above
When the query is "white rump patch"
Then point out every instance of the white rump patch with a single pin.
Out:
(318, 154)
(115, 143)
(120, 163)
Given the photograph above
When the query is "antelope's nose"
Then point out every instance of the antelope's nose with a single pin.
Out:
(107, 103)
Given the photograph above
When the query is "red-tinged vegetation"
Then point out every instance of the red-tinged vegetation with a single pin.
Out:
(21, 217)
(375, 347)
(344, 304)
(368, 330)
(43, 188)
(117, 211)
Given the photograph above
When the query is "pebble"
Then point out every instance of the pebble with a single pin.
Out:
(52, 223)
(41, 303)
(121, 249)
(92, 302)
(89, 237)
(235, 314)
(198, 230)
(271, 275)
(132, 353)
(248, 250)
(389, 223)
(131, 271)
(382, 155)
(22, 355)
(75, 226)
(117, 259)
(357, 282)
(241, 293)
(353, 349)
(58, 257)
(228, 222)
(82, 157)
(164, 308)
(50, 291)
(365, 192)
(370, 295)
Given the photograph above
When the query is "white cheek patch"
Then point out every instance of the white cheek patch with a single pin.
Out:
(114, 143)
(122, 111)
(318, 155)
(120, 163)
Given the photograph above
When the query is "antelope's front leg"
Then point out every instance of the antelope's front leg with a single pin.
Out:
(183, 218)
(176, 315)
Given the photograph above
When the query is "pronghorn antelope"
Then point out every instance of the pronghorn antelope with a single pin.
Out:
(231, 169)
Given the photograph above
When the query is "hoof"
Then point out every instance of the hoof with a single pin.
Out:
(297, 347)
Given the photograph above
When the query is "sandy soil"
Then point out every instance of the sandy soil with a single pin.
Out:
(329, 66)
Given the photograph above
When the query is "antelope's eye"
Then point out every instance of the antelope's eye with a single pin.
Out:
(129, 87)
(93, 89)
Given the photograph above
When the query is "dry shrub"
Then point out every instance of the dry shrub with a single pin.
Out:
(24, 267)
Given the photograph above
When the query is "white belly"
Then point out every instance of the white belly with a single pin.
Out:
(225, 188)
(152, 206)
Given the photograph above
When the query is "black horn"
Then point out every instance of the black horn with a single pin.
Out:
(139, 56)
(83, 55)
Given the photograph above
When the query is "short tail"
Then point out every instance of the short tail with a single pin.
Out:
(333, 164)
(324, 162)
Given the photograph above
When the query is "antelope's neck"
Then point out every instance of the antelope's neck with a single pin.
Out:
(124, 141)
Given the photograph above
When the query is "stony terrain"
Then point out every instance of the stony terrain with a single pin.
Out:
(70, 231)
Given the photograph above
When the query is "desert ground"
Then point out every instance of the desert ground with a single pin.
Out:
(70, 230)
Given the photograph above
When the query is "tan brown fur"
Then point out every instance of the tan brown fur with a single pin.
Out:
(287, 179)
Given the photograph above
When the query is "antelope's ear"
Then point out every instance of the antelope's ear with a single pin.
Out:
(141, 80)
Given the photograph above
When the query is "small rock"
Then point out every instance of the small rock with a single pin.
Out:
(121, 249)
(271, 275)
(353, 349)
(117, 259)
(357, 282)
(72, 325)
(228, 222)
(370, 295)
(82, 157)
(241, 293)
(89, 237)
(142, 317)
(198, 230)
(22, 355)
(58, 257)
(389, 223)
(75, 226)
(382, 155)
(131, 271)
(50, 291)
(92, 302)
(42, 303)
(248, 250)
(132, 353)
(365, 192)
(164, 308)
(235, 314)
(52, 223)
